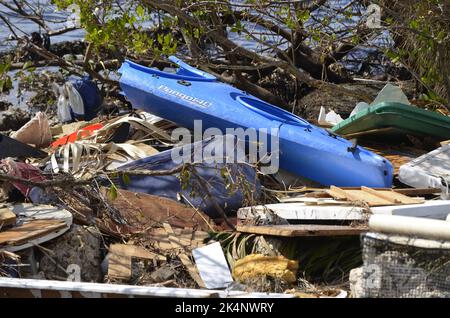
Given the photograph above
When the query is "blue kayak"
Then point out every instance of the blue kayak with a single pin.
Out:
(304, 149)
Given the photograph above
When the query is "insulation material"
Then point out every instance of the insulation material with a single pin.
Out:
(256, 265)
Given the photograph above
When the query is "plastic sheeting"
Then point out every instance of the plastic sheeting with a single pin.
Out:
(213, 174)
(431, 170)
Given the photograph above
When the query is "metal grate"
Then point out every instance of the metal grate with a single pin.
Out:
(405, 268)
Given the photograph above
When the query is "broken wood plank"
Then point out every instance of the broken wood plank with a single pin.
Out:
(184, 258)
(339, 193)
(143, 211)
(372, 197)
(120, 256)
(7, 217)
(385, 196)
(190, 239)
(119, 266)
(394, 197)
(135, 251)
(313, 201)
(418, 191)
(302, 230)
(31, 230)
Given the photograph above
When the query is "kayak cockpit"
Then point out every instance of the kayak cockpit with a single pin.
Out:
(269, 111)
(184, 72)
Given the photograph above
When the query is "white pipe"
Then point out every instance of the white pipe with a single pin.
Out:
(420, 227)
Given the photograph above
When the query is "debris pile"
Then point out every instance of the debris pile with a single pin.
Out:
(101, 204)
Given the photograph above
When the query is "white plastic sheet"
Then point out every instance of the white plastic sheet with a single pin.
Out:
(212, 266)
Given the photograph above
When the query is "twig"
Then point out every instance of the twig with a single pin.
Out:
(219, 209)
(70, 181)
(199, 213)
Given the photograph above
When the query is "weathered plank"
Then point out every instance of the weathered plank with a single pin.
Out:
(135, 251)
(302, 230)
(394, 197)
(143, 211)
(184, 258)
(7, 217)
(28, 231)
(120, 256)
(372, 197)
(418, 191)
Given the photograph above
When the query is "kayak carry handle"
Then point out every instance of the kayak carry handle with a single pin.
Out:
(354, 146)
(184, 83)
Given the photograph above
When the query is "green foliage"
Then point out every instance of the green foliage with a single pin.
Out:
(5, 79)
(126, 179)
(112, 192)
(423, 44)
(112, 28)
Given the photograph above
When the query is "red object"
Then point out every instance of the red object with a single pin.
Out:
(79, 134)
(21, 170)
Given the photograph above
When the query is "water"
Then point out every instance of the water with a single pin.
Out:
(59, 21)
(25, 26)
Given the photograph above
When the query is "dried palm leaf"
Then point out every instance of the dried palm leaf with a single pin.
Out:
(80, 156)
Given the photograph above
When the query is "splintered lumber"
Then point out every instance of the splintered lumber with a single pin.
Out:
(119, 266)
(184, 258)
(119, 259)
(418, 191)
(392, 196)
(31, 230)
(135, 251)
(302, 230)
(188, 238)
(7, 217)
(321, 193)
(372, 197)
(143, 211)
(312, 200)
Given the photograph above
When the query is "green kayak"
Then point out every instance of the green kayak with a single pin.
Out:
(392, 118)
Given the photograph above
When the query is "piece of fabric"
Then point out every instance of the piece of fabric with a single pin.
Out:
(36, 132)
(21, 170)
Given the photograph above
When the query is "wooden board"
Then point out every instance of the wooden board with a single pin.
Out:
(135, 251)
(28, 231)
(372, 197)
(143, 211)
(301, 230)
(418, 191)
(320, 193)
(119, 266)
(7, 217)
(392, 196)
(184, 258)
(312, 200)
(119, 259)
(188, 238)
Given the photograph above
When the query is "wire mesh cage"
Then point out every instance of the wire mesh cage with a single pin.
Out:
(404, 267)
